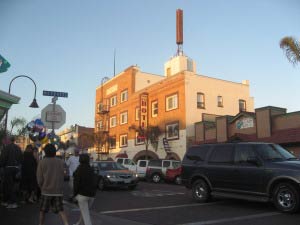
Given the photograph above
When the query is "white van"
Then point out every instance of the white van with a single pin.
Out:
(140, 167)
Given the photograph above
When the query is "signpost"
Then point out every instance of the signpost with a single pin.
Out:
(53, 115)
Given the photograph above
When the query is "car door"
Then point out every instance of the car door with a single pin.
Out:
(248, 174)
(165, 165)
(219, 167)
(142, 167)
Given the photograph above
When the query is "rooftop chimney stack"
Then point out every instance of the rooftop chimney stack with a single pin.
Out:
(179, 31)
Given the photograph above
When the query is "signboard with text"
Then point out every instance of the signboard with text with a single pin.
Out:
(53, 116)
(55, 94)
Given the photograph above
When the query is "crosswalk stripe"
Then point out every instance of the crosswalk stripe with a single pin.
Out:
(157, 208)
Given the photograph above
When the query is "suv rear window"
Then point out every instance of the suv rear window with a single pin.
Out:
(166, 163)
(143, 163)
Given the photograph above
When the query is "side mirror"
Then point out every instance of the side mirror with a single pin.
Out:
(254, 160)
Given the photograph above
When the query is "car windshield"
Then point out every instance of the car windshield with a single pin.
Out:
(274, 152)
(110, 166)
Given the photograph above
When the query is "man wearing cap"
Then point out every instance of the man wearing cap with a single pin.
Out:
(73, 163)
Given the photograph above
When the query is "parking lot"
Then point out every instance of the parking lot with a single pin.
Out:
(169, 204)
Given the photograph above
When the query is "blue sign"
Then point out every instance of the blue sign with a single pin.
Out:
(55, 93)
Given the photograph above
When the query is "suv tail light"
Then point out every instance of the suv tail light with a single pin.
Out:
(148, 170)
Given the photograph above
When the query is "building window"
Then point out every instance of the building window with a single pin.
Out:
(171, 102)
(242, 105)
(124, 96)
(113, 121)
(220, 101)
(200, 100)
(99, 125)
(154, 108)
(112, 142)
(168, 71)
(113, 101)
(124, 118)
(137, 113)
(172, 131)
(139, 140)
(99, 107)
(123, 140)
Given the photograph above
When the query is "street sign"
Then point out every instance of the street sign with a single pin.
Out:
(55, 93)
(53, 116)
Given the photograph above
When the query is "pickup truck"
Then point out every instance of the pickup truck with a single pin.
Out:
(139, 167)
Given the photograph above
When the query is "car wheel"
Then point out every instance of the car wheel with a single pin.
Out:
(101, 185)
(177, 180)
(156, 178)
(286, 198)
(200, 191)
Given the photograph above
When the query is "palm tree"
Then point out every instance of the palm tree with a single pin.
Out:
(292, 49)
(18, 123)
(150, 135)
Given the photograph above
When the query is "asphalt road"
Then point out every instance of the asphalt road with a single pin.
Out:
(168, 204)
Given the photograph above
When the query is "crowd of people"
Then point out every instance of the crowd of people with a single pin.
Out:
(26, 178)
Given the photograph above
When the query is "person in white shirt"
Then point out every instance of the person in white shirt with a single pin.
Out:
(73, 163)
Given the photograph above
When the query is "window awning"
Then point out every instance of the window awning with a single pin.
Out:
(122, 155)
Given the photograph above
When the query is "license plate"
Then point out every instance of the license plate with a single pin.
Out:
(127, 181)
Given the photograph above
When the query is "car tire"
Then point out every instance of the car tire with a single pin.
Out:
(177, 180)
(156, 178)
(286, 198)
(101, 185)
(200, 191)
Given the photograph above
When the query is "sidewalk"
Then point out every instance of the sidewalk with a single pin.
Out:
(28, 214)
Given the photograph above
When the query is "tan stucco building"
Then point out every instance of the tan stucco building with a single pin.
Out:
(266, 124)
(173, 102)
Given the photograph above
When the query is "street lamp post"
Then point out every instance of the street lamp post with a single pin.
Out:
(32, 105)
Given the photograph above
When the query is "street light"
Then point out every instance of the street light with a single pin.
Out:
(32, 105)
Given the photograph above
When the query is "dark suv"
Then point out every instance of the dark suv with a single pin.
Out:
(251, 171)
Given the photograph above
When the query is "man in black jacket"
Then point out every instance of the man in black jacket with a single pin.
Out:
(10, 160)
(85, 187)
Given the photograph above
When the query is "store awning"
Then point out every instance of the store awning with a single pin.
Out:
(6, 100)
(122, 155)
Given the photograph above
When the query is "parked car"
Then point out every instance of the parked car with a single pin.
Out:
(128, 163)
(139, 167)
(157, 168)
(174, 175)
(113, 174)
(251, 171)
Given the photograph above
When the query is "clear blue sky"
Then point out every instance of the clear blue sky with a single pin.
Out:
(68, 45)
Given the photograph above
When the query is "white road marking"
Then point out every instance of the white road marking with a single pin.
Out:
(234, 219)
(157, 208)
(155, 193)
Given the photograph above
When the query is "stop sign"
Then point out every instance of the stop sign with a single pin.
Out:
(53, 116)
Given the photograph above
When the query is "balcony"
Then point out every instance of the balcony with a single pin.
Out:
(103, 129)
(103, 109)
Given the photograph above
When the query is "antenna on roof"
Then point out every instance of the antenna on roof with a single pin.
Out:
(179, 31)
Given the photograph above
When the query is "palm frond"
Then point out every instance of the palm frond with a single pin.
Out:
(291, 48)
